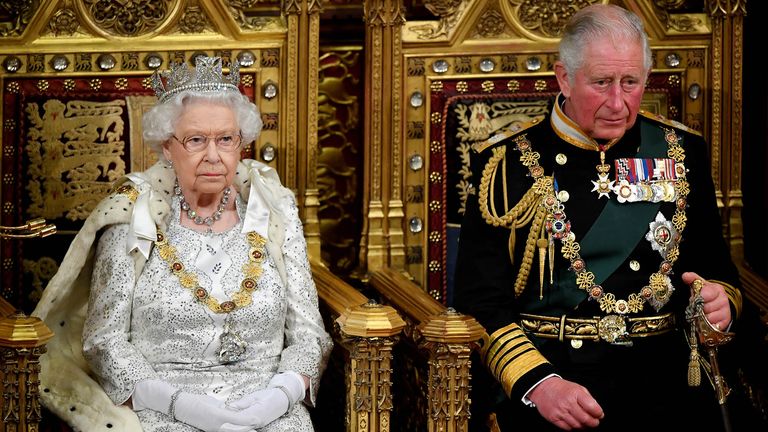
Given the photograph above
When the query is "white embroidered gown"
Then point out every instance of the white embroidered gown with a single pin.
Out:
(154, 328)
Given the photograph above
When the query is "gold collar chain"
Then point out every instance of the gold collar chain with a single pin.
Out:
(251, 271)
(659, 288)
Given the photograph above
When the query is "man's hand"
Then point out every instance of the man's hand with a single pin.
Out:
(716, 305)
(566, 404)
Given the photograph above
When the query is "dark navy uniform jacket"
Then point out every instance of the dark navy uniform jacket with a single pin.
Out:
(626, 380)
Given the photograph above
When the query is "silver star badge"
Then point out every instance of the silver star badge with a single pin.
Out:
(603, 186)
(662, 234)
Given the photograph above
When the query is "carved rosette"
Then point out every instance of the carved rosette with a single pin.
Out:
(546, 19)
(64, 23)
(491, 24)
(194, 20)
(128, 18)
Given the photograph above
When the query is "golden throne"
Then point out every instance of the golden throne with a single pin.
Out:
(475, 67)
(75, 77)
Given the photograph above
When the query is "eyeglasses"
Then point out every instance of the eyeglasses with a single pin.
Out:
(226, 142)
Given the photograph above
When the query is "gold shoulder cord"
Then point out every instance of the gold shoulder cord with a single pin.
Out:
(526, 210)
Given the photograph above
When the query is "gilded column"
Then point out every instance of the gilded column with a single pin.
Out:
(370, 331)
(373, 248)
(22, 341)
(382, 242)
(717, 10)
(735, 202)
(303, 63)
(394, 127)
(449, 338)
(727, 115)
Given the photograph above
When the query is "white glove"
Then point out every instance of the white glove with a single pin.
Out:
(201, 411)
(265, 406)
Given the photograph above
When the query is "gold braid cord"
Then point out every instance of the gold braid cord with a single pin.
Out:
(528, 209)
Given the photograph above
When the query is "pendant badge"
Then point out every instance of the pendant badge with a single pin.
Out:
(661, 289)
(232, 347)
(603, 185)
(557, 224)
(662, 235)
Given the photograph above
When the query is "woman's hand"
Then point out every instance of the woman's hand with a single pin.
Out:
(262, 407)
(566, 404)
(265, 406)
(201, 411)
(209, 414)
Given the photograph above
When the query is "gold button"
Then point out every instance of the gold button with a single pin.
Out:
(634, 265)
(561, 159)
(576, 343)
(563, 196)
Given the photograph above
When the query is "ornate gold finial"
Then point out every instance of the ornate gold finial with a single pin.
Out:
(206, 77)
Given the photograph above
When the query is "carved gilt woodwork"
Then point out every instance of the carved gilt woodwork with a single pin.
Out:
(447, 338)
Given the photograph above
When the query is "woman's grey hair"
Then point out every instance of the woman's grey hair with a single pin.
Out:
(600, 22)
(160, 121)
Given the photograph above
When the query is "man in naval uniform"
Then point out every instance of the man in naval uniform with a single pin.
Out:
(581, 247)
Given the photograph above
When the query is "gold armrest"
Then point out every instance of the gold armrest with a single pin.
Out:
(22, 341)
(447, 336)
(33, 228)
(367, 331)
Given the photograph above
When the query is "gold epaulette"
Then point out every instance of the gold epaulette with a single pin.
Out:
(671, 123)
(479, 147)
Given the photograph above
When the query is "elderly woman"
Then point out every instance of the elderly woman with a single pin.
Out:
(202, 312)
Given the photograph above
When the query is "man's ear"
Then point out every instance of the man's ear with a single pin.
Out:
(562, 78)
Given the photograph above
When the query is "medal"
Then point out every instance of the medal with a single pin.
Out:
(651, 180)
(602, 185)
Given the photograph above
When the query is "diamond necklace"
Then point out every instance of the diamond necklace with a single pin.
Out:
(192, 214)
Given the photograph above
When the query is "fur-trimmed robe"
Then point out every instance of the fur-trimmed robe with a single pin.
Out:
(67, 387)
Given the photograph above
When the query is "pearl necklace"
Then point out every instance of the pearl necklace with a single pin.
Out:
(192, 214)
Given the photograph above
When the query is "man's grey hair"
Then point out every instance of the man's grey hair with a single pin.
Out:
(600, 22)
(160, 121)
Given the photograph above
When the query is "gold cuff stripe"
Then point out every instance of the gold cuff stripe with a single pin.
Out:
(508, 343)
(499, 344)
(508, 354)
(499, 337)
(524, 363)
(734, 295)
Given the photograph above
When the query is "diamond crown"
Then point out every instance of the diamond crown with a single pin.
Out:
(206, 77)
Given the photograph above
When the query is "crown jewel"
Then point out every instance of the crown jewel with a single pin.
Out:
(206, 77)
